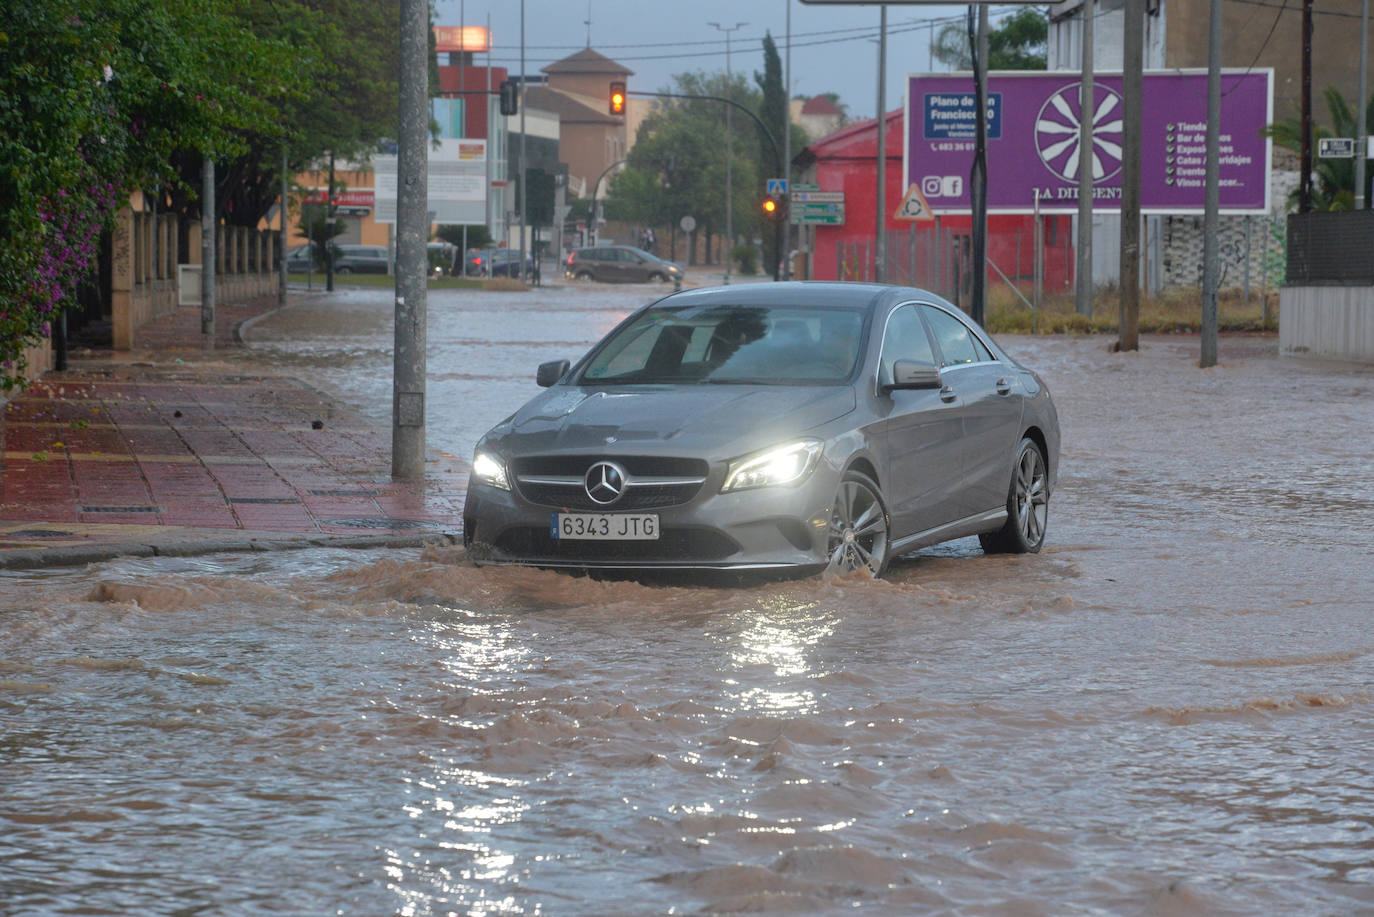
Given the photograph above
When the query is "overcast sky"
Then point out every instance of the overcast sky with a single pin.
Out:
(834, 47)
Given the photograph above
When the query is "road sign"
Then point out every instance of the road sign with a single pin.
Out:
(817, 197)
(688, 223)
(797, 186)
(777, 186)
(914, 207)
(1336, 148)
(817, 219)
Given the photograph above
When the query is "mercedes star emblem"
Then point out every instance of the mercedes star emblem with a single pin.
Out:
(605, 482)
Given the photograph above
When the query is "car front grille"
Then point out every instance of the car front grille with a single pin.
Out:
(556, 481)
(674, 545)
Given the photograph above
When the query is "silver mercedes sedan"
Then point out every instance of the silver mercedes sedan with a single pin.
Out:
(770, 426)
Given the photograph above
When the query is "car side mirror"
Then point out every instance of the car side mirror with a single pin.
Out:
(912, 374)
(549, 373)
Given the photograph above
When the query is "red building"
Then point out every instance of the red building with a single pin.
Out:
(916, 253)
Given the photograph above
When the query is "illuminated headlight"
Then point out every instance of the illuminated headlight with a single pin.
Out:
(490, 470)
(784, 465)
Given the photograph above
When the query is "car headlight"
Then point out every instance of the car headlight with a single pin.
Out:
(490, 470)
(784, 465)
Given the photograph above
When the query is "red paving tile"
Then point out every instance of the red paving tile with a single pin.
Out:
(159, 446)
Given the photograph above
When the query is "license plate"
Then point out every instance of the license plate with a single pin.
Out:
(605, 526)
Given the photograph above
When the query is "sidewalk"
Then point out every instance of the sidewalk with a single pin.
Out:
(184, 456)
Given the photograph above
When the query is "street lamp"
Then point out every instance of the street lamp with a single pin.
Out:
(729, 155)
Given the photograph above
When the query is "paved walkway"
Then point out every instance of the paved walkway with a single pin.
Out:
(180, 457)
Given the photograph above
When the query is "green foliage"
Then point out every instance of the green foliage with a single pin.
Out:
(1018, 42)
(478, 236)
(1335, 185)
(746, 256)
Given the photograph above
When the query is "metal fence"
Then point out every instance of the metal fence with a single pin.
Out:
(1331, 249)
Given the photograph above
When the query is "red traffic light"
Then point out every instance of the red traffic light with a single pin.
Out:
(617, 98)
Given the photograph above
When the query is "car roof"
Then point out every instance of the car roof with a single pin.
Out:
(799, 293)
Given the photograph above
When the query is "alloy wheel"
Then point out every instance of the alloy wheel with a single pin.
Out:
(858, 529)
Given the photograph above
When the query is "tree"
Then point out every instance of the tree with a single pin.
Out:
(95, 97)
(1018, 43)
(774, 114)
(677, 166)
(1335, 187)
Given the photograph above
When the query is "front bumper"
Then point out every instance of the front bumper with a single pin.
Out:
(764, 528)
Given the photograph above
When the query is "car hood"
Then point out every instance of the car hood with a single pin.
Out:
(709, 421)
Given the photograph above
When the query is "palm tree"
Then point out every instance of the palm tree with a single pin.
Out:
(1335, 187)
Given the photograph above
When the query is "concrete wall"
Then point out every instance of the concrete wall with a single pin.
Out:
(1336, 322)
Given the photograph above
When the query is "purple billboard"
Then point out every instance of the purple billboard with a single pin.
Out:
(1033, 141)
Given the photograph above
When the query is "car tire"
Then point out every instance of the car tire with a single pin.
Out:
(857, 534)
(1028, 505)
(661, 278)
(343, 270)
(583, 277)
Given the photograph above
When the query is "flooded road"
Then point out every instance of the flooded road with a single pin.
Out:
(1168, 712)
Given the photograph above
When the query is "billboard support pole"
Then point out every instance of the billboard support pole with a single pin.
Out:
(1362, 106)
(978, 180)
(1132, 85)
(1210, 248)
(1083, 275)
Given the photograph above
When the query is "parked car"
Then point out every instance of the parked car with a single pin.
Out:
(774, 426)
(300, 261)
(619, 264)
(359, 259)
(499, 262)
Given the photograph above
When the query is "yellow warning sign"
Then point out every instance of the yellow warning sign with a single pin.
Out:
(914, 207)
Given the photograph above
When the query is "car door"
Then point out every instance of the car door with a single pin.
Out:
(636, 267)
(990, 394)
(922, 433)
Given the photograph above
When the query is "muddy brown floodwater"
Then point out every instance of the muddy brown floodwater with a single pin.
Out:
(1167, 712)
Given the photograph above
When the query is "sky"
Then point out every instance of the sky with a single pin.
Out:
(834, 48)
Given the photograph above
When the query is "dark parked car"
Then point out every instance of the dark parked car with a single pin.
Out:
(299, 260)
(359, 259)
(770, 426)
(498, 262)
(619, 264)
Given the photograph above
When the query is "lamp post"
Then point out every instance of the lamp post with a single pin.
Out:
(729, 155)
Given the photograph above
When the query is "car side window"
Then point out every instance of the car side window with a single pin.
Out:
(957, 343)
(906, 339)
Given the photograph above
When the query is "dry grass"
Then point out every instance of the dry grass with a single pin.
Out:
(504, 285)
(1178, 311)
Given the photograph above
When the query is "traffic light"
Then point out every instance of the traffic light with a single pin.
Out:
(773, 208)
(617, 97)
(510, 97)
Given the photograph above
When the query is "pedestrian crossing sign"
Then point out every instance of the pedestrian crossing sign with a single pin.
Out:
(914, 207)
(777, 186)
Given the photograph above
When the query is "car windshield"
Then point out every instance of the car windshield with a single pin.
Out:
(783, 345)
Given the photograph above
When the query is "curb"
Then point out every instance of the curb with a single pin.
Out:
(80, 555)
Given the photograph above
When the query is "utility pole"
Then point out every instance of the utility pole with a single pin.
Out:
(1132, 86)
(412, 234)
(1211, 251)
(285, 187)
(1305, 178)
(1083, 289)
(729, 154)
(1361, 105)
(524, 167)
(207, 251)
(880, 248)
(786, 253)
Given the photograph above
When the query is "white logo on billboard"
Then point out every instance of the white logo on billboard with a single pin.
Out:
(1057, 137)
(942, 185)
